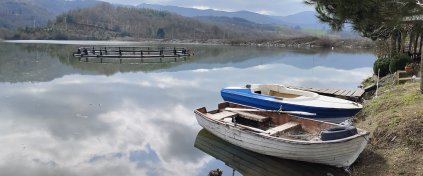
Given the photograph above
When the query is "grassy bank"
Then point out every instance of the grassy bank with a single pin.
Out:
(395, 120)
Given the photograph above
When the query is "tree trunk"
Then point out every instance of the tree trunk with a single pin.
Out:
(421, 73)
(395, 44)
(410, 43)
(421, 43)
(416, 40)
(399, 43)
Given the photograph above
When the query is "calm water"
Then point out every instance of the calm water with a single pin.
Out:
(64, 117)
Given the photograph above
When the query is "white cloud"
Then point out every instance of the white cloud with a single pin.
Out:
(266, 12)
(201, 7)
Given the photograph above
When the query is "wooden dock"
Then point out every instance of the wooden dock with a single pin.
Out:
(132, 60)
(131, 52)
(353, 95)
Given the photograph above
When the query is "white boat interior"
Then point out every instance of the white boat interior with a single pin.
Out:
(280, 91)
(270, 123)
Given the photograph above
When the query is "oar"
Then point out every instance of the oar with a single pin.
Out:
(257, 110)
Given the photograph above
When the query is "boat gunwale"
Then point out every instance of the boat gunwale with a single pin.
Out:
(273, 99)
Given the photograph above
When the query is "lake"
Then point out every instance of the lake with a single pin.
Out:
(60, 116)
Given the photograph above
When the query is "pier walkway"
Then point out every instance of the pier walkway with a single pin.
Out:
(354, 95)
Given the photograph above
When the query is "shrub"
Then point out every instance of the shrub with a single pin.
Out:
(383, 65)
(398, 62)
(324, 42)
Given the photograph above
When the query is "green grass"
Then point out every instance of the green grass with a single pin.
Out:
(411, 98)
(367, 82)
(395, 121)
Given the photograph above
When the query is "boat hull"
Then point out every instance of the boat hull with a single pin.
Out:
(247, 162)
(339, 153)
(335, 115)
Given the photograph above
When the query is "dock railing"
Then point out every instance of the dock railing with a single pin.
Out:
(132, 52)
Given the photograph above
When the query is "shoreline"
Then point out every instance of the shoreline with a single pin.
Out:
(395, 121)
(307, 42)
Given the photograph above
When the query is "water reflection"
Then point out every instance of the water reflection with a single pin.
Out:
(249, 163)
(64, 117)
(95, 124)
(44, 62)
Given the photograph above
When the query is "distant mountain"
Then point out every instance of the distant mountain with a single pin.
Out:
(21, 13)
(301, 20)
(242, 24)
(107, 21)
(306, 19)
(192, 12)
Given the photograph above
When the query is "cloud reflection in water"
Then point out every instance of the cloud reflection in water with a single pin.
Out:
(128, 124)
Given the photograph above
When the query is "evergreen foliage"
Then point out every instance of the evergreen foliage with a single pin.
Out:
(398, 62)
(381, 64)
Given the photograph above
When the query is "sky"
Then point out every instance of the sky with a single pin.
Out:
(267, 7)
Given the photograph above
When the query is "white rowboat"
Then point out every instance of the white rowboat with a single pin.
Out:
(282, 135)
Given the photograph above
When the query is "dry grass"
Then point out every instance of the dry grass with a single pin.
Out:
(395, 120)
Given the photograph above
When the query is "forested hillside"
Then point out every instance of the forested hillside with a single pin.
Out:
(15, 14)
(106, 21)
(36, 13)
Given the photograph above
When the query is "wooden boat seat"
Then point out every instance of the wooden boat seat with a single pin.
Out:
(283, 95)
(282, 128)
(253, 117)
(221, 115)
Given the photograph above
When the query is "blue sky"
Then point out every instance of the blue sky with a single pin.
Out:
(268, 7)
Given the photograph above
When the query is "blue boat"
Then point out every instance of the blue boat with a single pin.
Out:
(279, 97)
